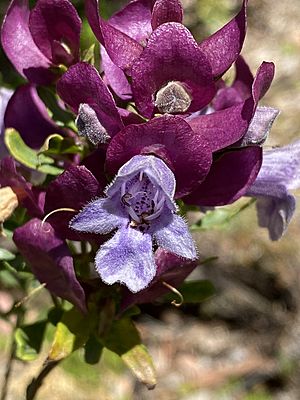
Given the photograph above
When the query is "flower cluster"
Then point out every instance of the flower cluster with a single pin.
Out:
(157, 125)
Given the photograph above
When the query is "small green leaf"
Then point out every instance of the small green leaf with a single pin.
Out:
(194, 291)
(57, 145)
(124, 340)
(72, 332)
(29, 339)
(27, 156)
(61, 116)
(89, 55)
(6, 255)
(219, 218)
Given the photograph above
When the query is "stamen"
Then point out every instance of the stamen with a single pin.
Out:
(141, 176)
(55, 211)
(133, 214)
(160, 204)
(174, 290)
(152, 216)
(155, 198)
(123, 189)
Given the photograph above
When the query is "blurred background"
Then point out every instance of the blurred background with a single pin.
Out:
(244, 342)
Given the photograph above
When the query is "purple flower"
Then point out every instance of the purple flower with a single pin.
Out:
(35, 41)
(185, 83)
(82, 88)
(50, 260)
(170, 138)
(280, 173)
(236, 147)
(125, 34)
(139, 204)
(27, 114)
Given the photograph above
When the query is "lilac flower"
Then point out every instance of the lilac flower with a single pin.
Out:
(280, 173)
(170, 138)
(139, 204)
(36, 41)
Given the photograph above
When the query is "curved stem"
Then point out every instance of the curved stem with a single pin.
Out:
(37, 382)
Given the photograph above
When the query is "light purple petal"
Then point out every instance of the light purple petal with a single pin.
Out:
(163, 137)
(100, 216)
(280, 166)
(172, 234)
(82, 84)
(260, 126)
(56, 21)
(170, 268)
(279, 173)
(172, 46)
(154, 167)
(27, 114)
(275, 213)
(5, 95)
(121, 48)
(166, 11)
(19, 46)
(50, 260)
(223, 47)
(127, 258)
(229, 178)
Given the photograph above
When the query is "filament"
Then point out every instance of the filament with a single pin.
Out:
(55, 211)
(174, 290)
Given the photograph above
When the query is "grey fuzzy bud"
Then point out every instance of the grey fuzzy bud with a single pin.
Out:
(89, 125)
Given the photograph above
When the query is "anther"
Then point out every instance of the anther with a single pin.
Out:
(173, 98)
(89, 126)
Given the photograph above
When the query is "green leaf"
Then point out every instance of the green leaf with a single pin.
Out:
(27, 156)
(29, 339)
(59, 115)
(194, 291)
(6, 255)
(124, 340)
(89, 55)
(219, 218)
(72, 332)
(56, 145)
